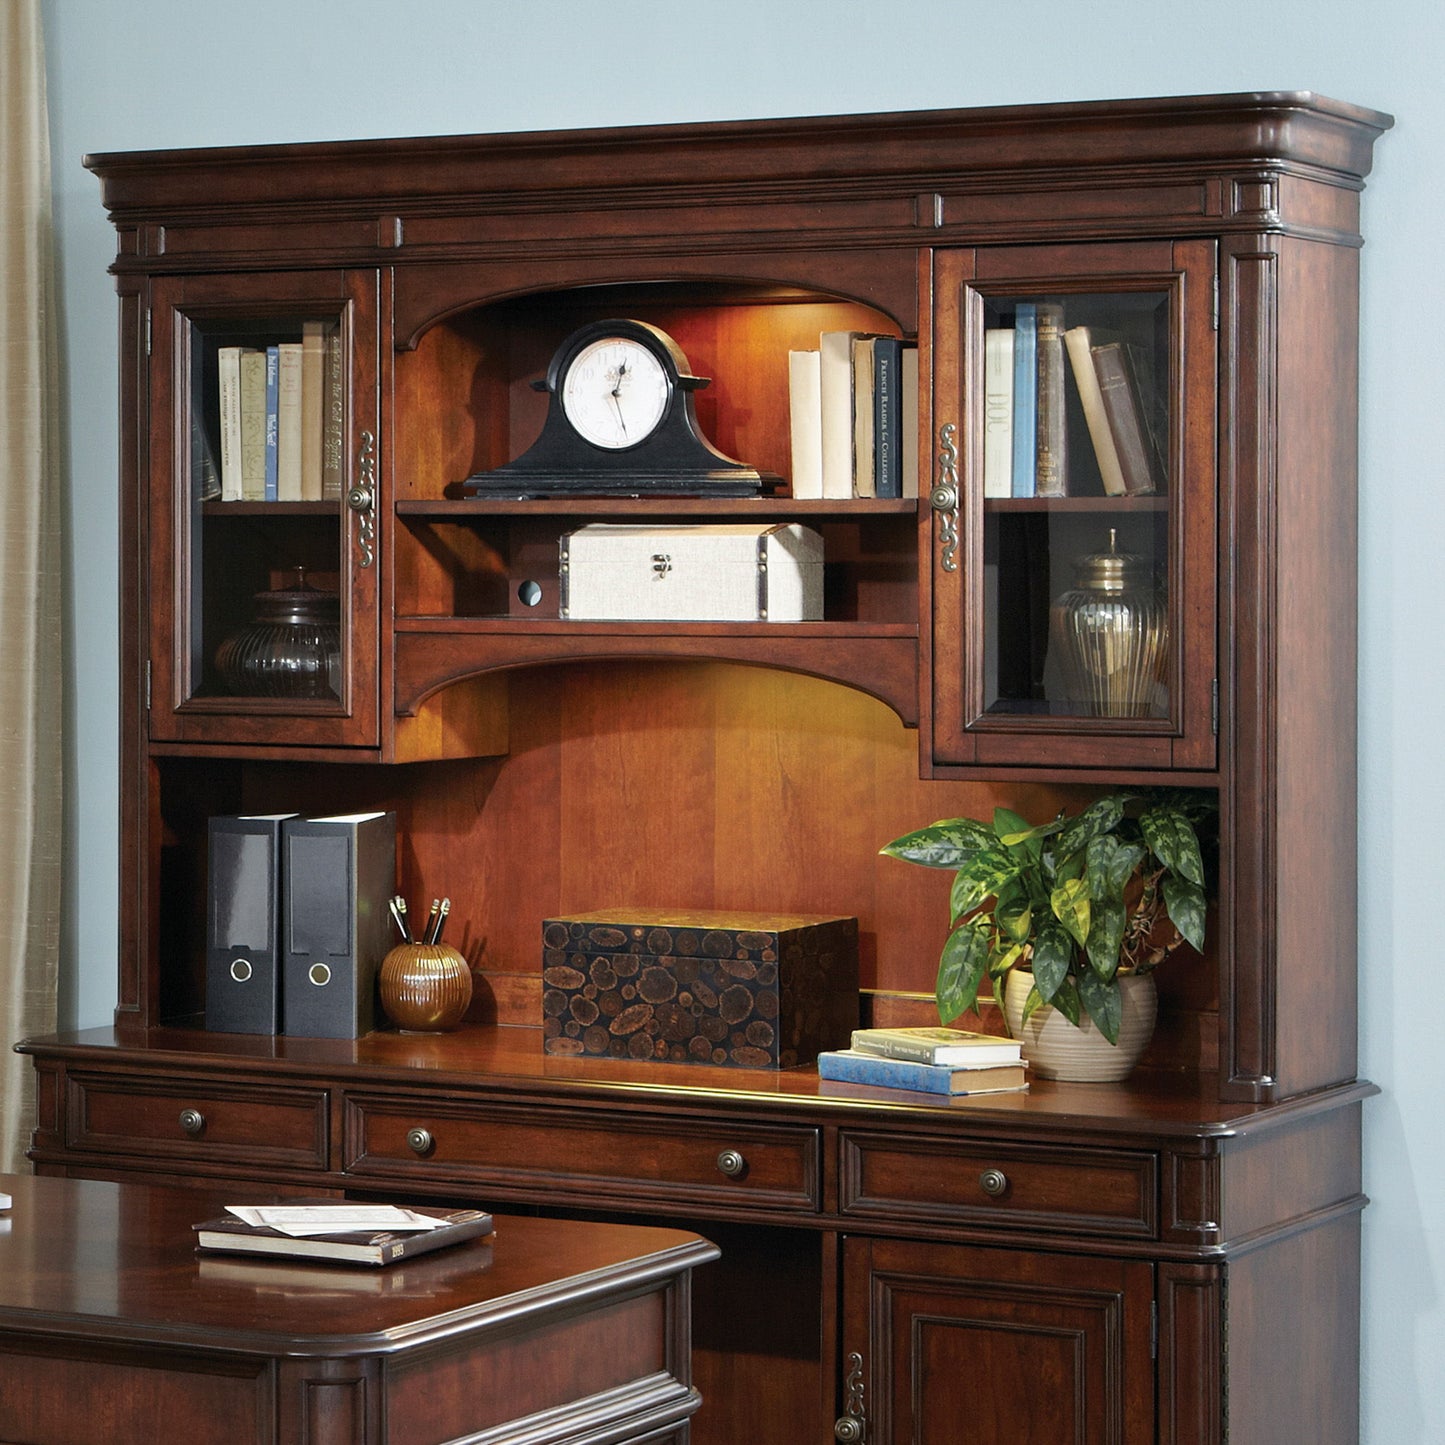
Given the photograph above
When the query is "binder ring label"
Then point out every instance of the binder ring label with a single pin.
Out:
(240, 970)
(319, 974)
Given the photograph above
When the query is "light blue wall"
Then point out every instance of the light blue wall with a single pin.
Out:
(157, 73)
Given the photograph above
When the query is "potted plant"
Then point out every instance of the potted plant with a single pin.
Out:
(1062, 915)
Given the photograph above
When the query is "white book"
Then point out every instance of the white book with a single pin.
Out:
(288, 422)
(228, 371)
(835, 391)
(956, 1048)
(998, 411)
(805, 415)
(1077, 341)
(253, 425)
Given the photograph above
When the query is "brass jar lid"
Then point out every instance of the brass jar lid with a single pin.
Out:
(1112, 571)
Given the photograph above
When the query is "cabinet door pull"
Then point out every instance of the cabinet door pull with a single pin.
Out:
(193, 1122)
(993, 1182)
(731, 1163)
(420, 1140)
(362, 499)
(851, 1426)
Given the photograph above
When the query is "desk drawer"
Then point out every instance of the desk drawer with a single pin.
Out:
(256, 1126)
(548, 1154)
(1010, 1186)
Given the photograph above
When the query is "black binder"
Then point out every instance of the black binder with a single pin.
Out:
(338, 874)
(243, 977)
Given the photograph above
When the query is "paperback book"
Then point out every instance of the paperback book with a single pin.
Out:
(937, 1045)
(853, 1066)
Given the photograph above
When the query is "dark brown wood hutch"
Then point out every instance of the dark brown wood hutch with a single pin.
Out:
(1175, 1259)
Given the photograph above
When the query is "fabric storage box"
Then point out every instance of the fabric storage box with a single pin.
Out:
(754, 991)
(711, 572)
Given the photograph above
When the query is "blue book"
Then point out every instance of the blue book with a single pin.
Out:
(1026, 398)
(273, 401)
(848, 1066)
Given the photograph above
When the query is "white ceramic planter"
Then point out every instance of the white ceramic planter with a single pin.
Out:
(1055, 1049)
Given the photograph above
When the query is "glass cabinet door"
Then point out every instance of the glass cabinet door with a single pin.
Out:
(263, 508)
(1074, 506)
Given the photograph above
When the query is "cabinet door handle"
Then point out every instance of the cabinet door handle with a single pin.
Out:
(993, 1182)
(944, 497)
(848, 1429)
(851, 1426)
(362, 500)
(193, 1122)
(420, 1140)
(731, 1163)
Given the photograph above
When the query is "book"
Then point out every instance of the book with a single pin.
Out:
(253, 425)
(887, 416)
(273, 395)
(1051, 452)
(313, 407)
(288, 422)
(937, 1045)
(1139, 459)
(852, 1066)
(1026, 391)
(228, 380)
(864, 482)
(908, 423)
(1078, 341)
(805, 417)
(333, 434)
(230, 1234)
(835, 394)
(998, 411)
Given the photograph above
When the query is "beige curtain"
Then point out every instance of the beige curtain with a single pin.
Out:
(30, 721)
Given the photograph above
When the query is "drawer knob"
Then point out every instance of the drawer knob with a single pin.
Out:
(192, 1121)
(731, 1163)
(993, 1182)
(848, 1429)
(420, 1140)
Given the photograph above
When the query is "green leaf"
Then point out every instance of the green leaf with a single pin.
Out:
(1016, 832)
(1003, 959)
(1171, 838)
(947, 844)
(1105, 937)
(1013, 912)
(1110, 866)
(1070, 902)
(982, 877)
(1184, 902)
(960, 970)
(1066, 1000)
(1053, 953)
(1105, 1004)
(1097, 819)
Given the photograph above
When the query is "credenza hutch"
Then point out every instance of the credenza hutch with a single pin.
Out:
(1171, 1259)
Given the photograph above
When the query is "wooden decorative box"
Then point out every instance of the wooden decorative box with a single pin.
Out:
(752, 991)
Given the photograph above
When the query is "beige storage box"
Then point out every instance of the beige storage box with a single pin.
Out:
(712, 572)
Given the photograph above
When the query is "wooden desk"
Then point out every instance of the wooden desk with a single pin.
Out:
(113, 1330)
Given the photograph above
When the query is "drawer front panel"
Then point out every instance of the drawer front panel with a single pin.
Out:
(177, 1119)
(1010, 1186)
(571, 1154)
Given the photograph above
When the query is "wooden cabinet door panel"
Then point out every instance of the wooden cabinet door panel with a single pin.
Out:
(970, 1346)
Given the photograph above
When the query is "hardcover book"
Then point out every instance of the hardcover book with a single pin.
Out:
(1026, 390)
(938, 1046)
(852, 1066)
(228, 1234)
(1051, 474)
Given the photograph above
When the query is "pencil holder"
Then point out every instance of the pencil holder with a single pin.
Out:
(425, 987)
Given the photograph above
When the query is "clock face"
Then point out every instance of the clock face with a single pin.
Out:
(615, 392)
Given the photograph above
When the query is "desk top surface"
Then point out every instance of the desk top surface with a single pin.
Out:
(113, 1261)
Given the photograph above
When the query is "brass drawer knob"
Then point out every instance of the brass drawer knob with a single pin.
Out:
(993, 1182)
(420, 1140)
(848, 1429)
(193, 1121)
(731, 1163)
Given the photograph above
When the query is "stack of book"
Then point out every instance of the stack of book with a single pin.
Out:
(853, 407)
(280, 418)
(1027, 367)
(930, 1060)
